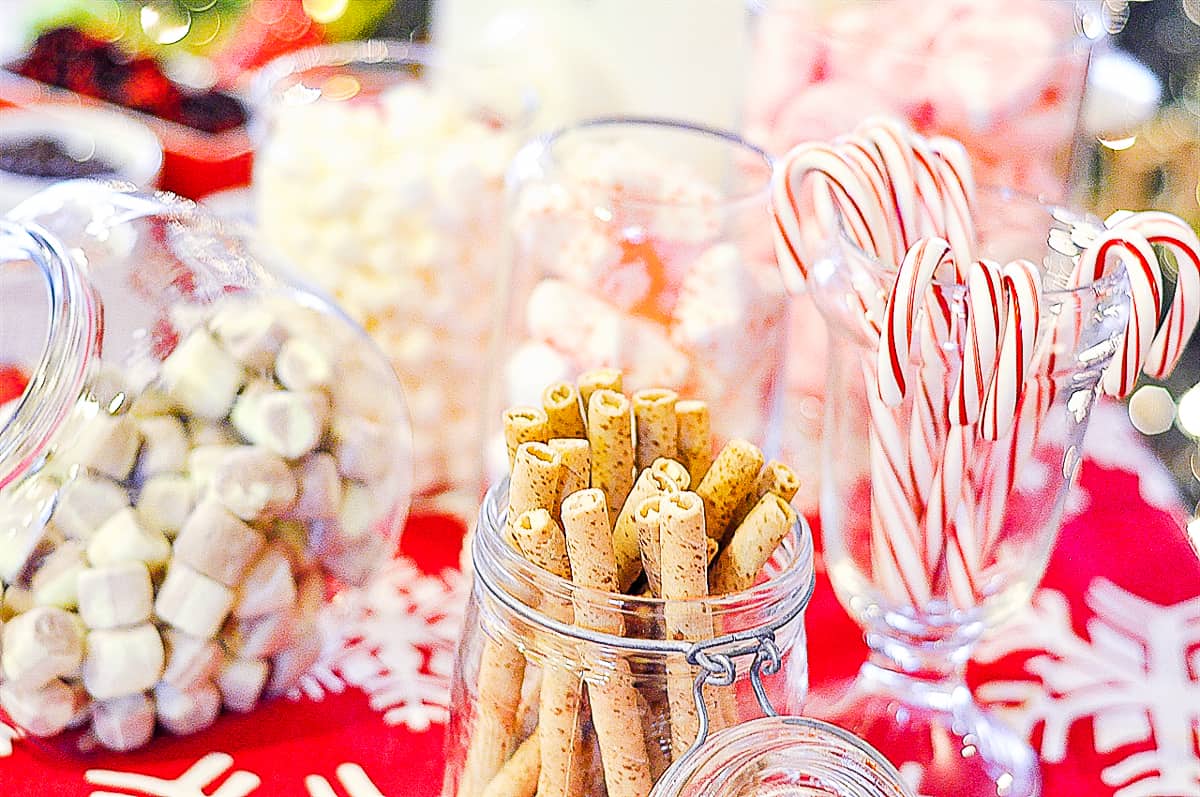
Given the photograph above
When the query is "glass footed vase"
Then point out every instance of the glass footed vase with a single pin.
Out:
(926, 555)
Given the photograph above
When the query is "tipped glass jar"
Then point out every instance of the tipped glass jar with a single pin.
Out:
(203, 455)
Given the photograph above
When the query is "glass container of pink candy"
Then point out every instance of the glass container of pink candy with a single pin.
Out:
(204, 455)
(639, 245)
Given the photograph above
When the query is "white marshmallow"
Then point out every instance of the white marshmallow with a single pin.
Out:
(183, 713)
(164, 446)
(363, 448)
(40, 645)
(203, 433)
(106, 444)
(122, 661)
(192, 602)
(151, 402)
(287, 423)
(253, 483)
(202, 377)
(292, 538)
(116, 595)
(302, 365)
(268, 586)
(191, 661)
(241, 682)
(164, 503)
(85, 502)
(262, 636)
(43, 711)
(17, 600)
(320, 488)
(217, 544)
(251, 334)
(56, 581)
(204, 460)
(124, 723)
(291, 663)
(123, 539)
(348, 546)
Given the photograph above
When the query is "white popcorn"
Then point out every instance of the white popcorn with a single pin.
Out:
(184, 712)
(253, 483)
(123, 539)
(123, 723)
(191, 660)
(106, 444)
(302, 365)
(122, 661)
(164, 503)
(268, 586)
(85, 503)
(287, 423)
(40, 645)
(56, 581)
(164, 446)
(192, 602)
(202, 377)
(115, 595)
(241, 682)
(43, 711)
(320, 487)
(217, 544)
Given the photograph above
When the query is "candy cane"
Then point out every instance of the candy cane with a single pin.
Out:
(891, 141)
(912, 282)
(985, 320)
(1023, 292)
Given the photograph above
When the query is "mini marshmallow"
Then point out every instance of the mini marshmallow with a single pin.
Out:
(192, 602)
(362, 448)
(302, 365)
(164, 503)
(85, 502)
(151, 402)
(191, 661)
(106, 445)
(17, 600)
(56, 581)
(115, 595)
(44, 711)
(122, 661)
(268, 586)
(203, 462)
(262, 636)
(320, 488)
(186, 712)
(290, 664)
(164, 446)
(346, 546)
(40, 645)
(202, 377)
(204, 433)
(217, 544)
(253, 483)
(241, 682)
(288, 423)
(251, 334)
(123, 539)
(124, 723)
(293, 539)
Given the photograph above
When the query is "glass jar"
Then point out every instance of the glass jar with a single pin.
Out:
(380, 175)
(783, 756)
(204, 453)
(1005, 79)
(640, 245)
(511, 618)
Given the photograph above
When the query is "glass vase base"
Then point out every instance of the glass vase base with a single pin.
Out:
(942, 742)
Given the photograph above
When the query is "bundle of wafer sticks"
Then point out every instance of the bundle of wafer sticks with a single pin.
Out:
(620, 494)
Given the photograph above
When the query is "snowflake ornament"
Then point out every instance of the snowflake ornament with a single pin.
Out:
(1135, 677)
(192, 783)
(8, 735)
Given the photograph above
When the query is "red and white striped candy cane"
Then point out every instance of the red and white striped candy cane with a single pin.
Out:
(912, 284)
(891, 142)
(1023, 293)
(985, 320)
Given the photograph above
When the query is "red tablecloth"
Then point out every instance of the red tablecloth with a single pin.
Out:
(1103, 671)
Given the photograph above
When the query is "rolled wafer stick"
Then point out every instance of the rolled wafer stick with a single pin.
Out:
(711, 553)
(519, 775)
(752, 544)
(645, 519)
(614, 700)
(729, 480)
(610, 434)
(598, 379)
(693, 431)
(501, 671)
(576, 458)
(776, 478)
(524, 425)
(684, 562)
(563, 411)
(663, 476)
(534, 484)
(655, 429)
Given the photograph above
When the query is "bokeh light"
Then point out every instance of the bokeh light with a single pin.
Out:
(1189, 412)
(325, 11)
(165, 22)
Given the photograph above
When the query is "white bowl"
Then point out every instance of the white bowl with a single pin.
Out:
(126, 144)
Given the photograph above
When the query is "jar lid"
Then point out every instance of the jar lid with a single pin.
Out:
(778, 756)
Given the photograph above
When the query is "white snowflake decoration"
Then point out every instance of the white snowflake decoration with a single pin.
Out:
(395, 640)
(1135, 677)
(354, 780)
(192, 783)
(8, 735)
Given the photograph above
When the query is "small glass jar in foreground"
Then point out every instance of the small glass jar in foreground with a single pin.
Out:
(641, 245)
(380, 174)
(204, 453)
(507, 622)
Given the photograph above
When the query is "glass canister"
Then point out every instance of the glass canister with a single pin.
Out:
(380, 175)
(640, 244)
(204, 454)
(1005, 79)
(515, 645)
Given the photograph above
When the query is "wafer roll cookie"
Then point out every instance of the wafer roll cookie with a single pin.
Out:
(655, 430)
(729, 480)
(534, 484)
(501, 671)
(646, 519)
(693, 437)
(576, 468)
(519, 775)
(664, 476)
(598, 379)
(752, 544)
(610, 433)
(776, 478)
(564, 413)
(684, 576)
(614, 701)
(524, 425)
